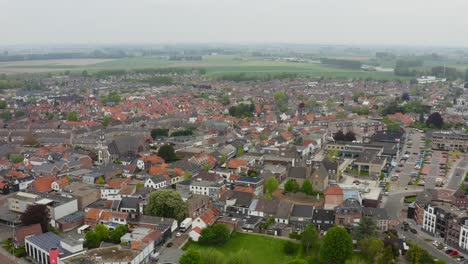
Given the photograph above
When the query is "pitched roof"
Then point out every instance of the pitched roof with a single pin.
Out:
(44, 183)
(334, 190)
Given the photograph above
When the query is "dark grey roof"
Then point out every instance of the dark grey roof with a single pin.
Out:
(302, 211)
(323, 215)
(297, 172)
(243, 199)
(376, 213)
(129, 202)
(47, 241)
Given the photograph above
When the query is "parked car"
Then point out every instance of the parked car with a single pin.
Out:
(448, 251)
(414, 231)
(453, 253)
(169, 244)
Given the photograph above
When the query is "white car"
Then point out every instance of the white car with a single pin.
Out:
(178, 234)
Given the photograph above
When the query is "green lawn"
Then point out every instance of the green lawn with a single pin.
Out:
(264, 250)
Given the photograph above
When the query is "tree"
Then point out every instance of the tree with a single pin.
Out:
(337, 246)
(414, 254)
(3, 104)
(117, 233)
(309, 238)
(281, 100)
(356, 260)
(211, 256)
(91, 240)
(291, 186)
(16, 158)
(366, 228)
(226, 100)
(190, 257)
(72, 116)
(387, 257)
(435, 119)
(217, 234)
(159, 132)
(350, 136)
(240, 151)
(105, 121)
(307, 187)
(405, 96)
(139, 184)
(6, 115)
(187, 175)
(84, 73)
(222, 160)
(101, 181)
(339, 136)
(333, 154)
(371, 248)
(298, 261)
(167, 153)
(36, 214)
(271, 185)
(102, 232)
(166, 203)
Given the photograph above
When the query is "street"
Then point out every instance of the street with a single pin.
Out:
(419, 239)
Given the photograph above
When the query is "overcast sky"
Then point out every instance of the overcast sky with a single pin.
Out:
(392, 22)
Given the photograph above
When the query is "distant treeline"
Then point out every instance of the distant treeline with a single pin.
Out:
(10, 83)
(96, 54)
(412, 68)
(157, 80)
(106, 73)
(348, 64)
(243, 77)
(185, 57)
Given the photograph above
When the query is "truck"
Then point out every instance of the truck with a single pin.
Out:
(185, 225)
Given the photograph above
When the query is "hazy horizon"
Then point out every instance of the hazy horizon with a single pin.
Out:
(334, 22)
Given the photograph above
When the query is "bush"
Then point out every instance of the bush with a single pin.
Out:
(295, 235)
(290, 248)
(217, 234)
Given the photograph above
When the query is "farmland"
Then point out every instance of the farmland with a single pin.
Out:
(215, 65)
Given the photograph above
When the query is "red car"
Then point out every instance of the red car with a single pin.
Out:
(453, 253)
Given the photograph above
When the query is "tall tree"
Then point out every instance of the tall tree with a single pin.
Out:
(371, 248)
(190, 257)
(435, 119)
(366, 228)
(339, 136)
(310, 238)
(102, 232)
(291, 185)
(337, 246)
(387, 257)
(271, 185)
(167, 153)
(415, 254)
(91, 240)
(117, 233)
(307, 187)
(350, 136)
(217, 234)
(166, 203)
(36, 214)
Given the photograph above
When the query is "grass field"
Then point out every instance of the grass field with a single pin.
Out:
(263, 249)
(215, 66)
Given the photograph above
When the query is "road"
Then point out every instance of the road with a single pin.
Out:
(419, 239)
(393, 203)
(457, 174)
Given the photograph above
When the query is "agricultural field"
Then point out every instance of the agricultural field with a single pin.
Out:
(215, 65)
(263, 249)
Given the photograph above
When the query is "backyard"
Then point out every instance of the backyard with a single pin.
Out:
(263, 249)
